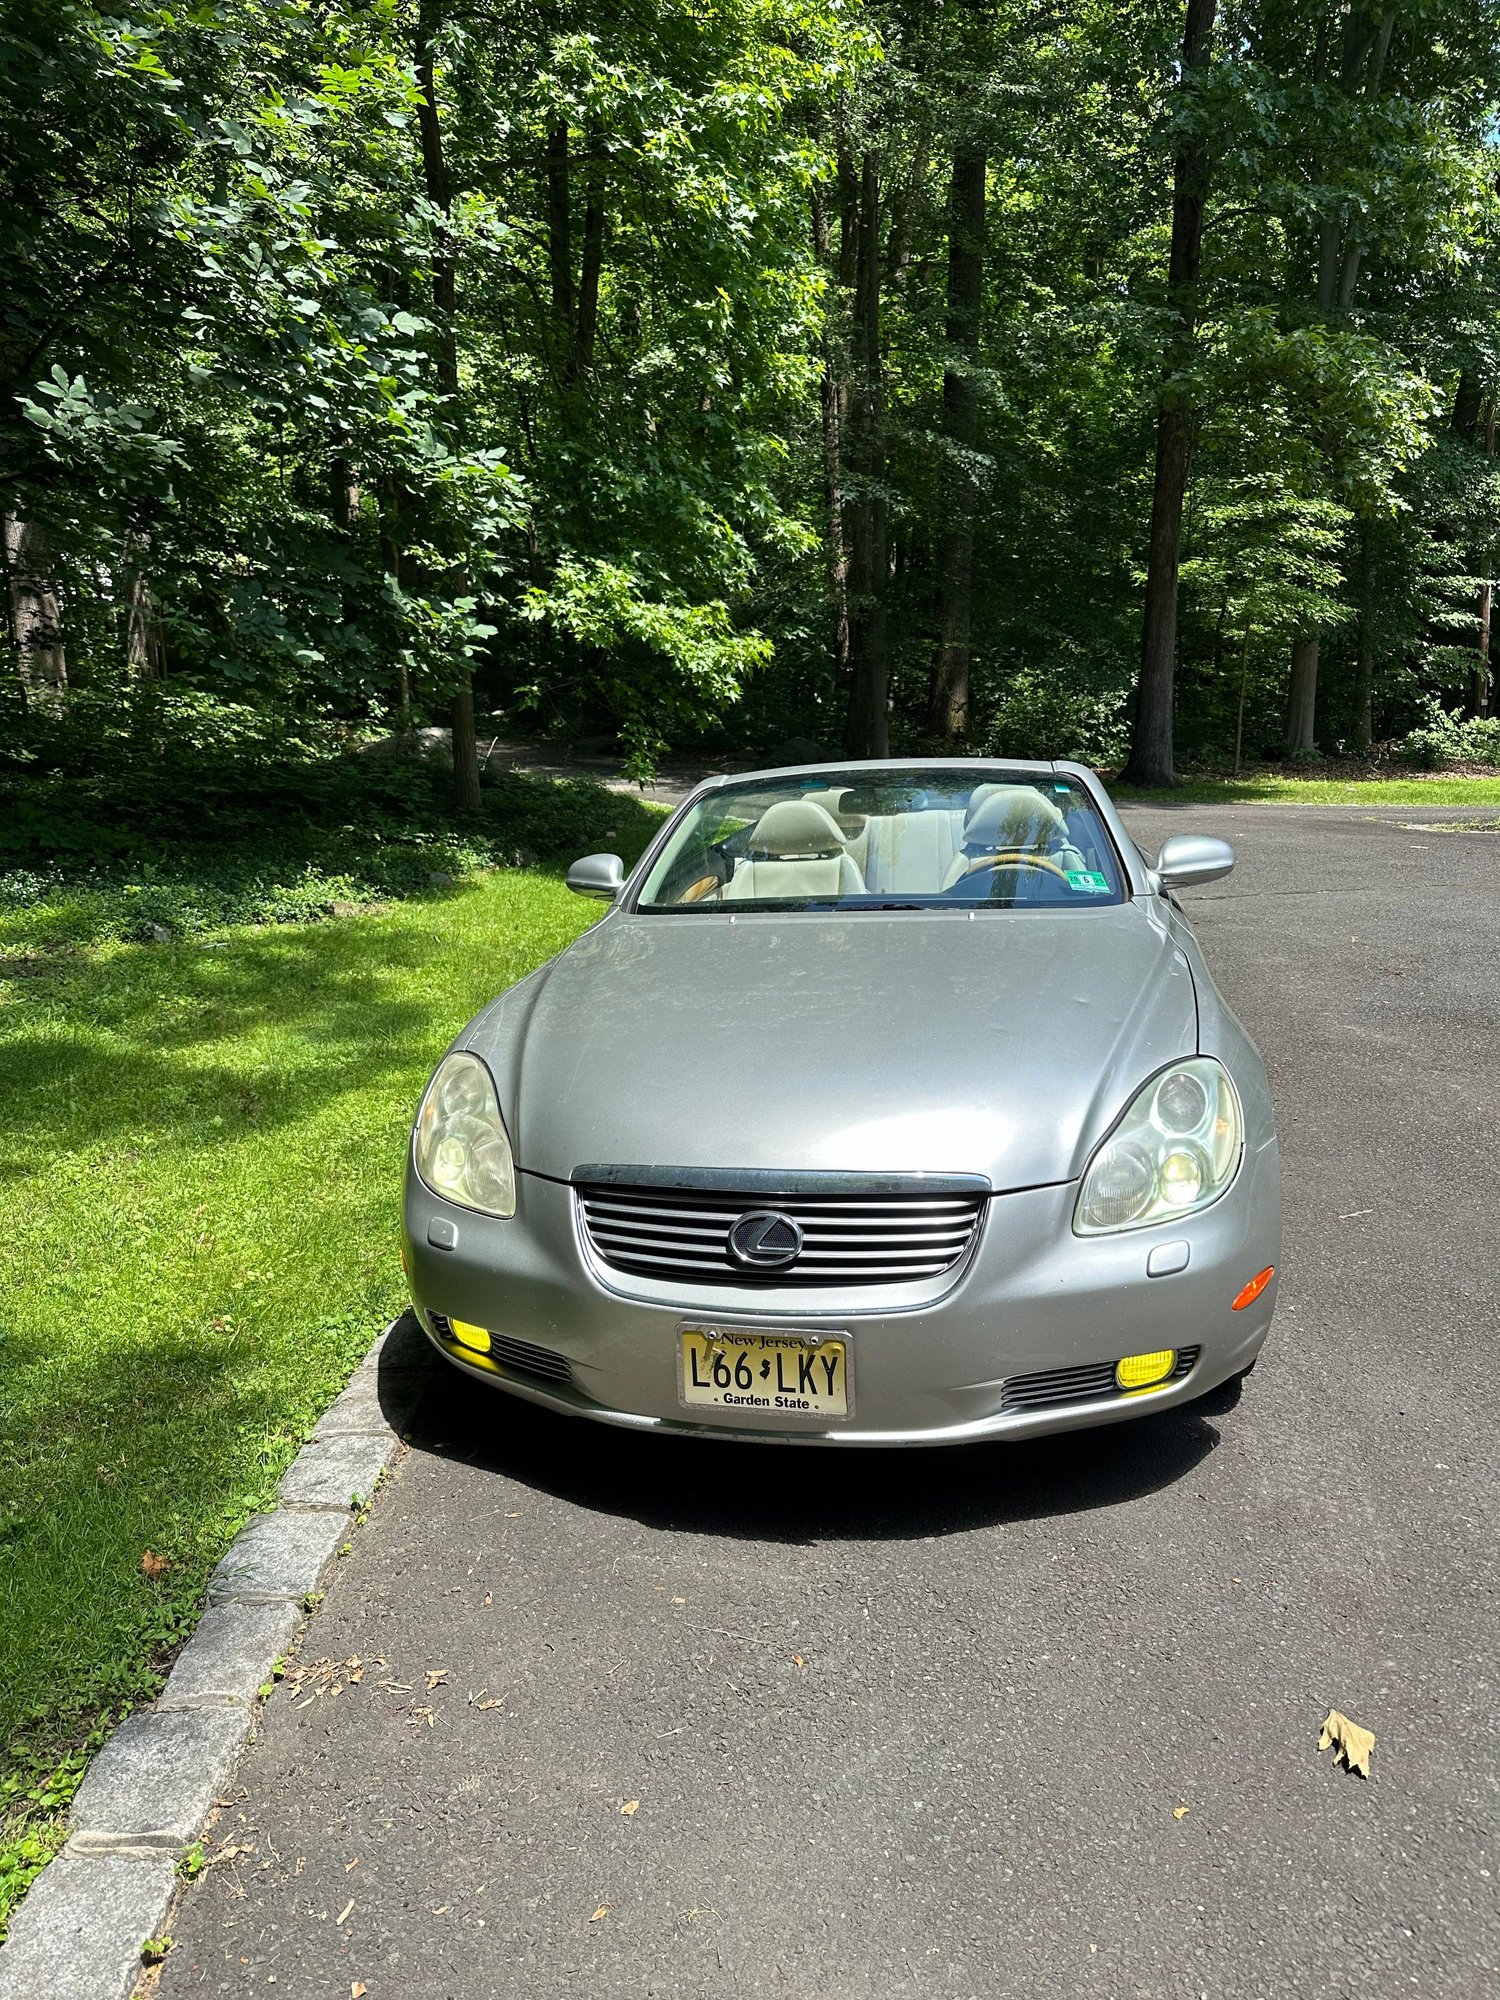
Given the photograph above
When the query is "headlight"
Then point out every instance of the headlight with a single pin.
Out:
(1176, 1149)
(462, 1150)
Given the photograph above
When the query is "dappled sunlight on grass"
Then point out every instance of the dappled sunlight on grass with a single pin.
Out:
(201, 1149)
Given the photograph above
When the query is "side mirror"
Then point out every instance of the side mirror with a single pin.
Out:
(601, 876)
(1188, 860)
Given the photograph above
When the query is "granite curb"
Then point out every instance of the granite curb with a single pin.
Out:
(78, 1934)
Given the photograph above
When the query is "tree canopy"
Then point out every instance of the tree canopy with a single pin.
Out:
(1007, 375)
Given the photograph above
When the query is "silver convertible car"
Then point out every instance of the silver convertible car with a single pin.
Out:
(887, 1104)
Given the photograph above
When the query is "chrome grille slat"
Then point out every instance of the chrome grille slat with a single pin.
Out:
(949, 1243)
(885, 1237)
(839, 1216)
(946, 1225)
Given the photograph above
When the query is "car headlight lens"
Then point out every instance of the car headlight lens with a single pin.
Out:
(462, 1150)
(1176, 1150)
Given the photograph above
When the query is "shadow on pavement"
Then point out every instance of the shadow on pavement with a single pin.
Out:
(774, 1493)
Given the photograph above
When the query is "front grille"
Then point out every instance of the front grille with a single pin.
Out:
(1086, 1384)
(520, 1355)
(904, 1231)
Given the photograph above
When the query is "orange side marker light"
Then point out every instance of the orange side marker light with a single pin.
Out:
(1253, 1290)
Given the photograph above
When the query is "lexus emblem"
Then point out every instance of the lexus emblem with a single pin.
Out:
(765, 1240)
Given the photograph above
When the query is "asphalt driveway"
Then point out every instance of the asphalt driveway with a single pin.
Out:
(627, 1716)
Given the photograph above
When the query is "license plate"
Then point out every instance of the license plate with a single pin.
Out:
(780, 1374)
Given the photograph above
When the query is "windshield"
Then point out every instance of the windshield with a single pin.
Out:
(931, 839)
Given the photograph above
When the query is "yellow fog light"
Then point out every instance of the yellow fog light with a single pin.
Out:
(470, 1336)
(1146, 1371)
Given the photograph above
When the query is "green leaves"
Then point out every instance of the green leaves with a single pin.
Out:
(574, 386)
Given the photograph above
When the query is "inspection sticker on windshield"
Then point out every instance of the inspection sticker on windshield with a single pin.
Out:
(780, 1374)
(1088, 882)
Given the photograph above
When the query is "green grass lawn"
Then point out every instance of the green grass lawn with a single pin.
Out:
(201, 1147)
(1436, 791)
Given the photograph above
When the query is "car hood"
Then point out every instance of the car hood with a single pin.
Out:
(898, 1042)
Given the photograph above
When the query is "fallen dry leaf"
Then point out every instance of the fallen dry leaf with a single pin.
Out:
(630, 1808)
(1351, 1745)
(435, 1677)
(600, 1914)
(1181, 1812)
(153, 1566)
(798, 1661)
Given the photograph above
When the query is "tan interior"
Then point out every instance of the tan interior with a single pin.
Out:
(798, 848)
(1011, 820)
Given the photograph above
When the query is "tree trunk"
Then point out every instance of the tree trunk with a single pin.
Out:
(36, 630)
(343, 495)
(1367, 43)
(444, 288)
(1361, 719)
(867, 734)
(145, 649)
(390, 559)
(1302, 696)
(831, 398)
(465, 743)
(1151, 734)
(849, 192)
(1479, 673)
(465, 750)
(948, 707)
(1239, 714)
(587, 317)
(1474, 406)
(1468, 403)
(1362, 735)
(560, 233)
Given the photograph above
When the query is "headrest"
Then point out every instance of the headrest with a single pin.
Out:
(793, 829)
(981, 792)
(1005, 816)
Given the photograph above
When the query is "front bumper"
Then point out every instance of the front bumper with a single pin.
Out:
(1029, 1297)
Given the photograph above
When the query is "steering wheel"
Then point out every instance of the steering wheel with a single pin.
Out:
(1015, 857)
(697, 892)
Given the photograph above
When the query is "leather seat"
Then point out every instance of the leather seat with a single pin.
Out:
(795, 849)
(911, 853)
(1008, 819)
